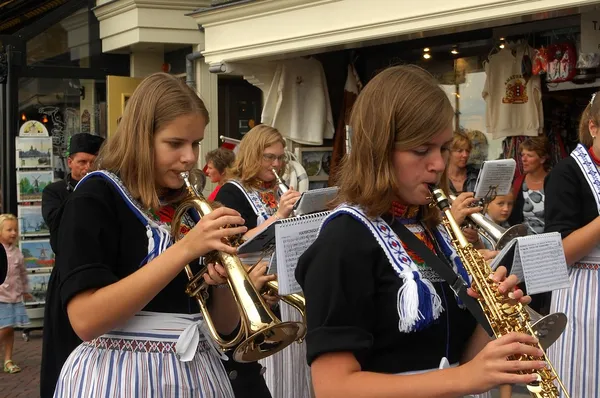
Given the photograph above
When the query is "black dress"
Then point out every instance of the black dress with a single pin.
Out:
(90, 264)
(351, 305)
(247, 379)
(3, 264)
(54, 197)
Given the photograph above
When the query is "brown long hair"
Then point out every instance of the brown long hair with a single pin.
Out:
(402, 107)
(129, 152)
(249, 158)
(591, 112)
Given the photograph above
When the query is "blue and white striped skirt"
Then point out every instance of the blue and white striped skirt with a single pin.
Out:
(576, 353)
(143, 364)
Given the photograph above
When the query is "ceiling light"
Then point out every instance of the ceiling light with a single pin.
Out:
(426, 56)
(426, 50)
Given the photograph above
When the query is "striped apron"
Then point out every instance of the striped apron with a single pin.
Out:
(153, 355)
(576, 353)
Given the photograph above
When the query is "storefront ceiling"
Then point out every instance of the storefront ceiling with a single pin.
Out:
(355, 25)
(15, 14)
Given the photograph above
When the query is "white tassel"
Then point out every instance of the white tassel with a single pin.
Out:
(436, 301)
(408, 303)
(150, 239)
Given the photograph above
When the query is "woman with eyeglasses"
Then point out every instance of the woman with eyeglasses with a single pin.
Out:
(251, 189)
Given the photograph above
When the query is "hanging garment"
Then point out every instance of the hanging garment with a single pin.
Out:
(513, 97)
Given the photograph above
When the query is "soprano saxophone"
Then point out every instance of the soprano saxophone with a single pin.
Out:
(503, 315)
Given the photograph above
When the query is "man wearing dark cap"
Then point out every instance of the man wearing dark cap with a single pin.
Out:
(83, 149)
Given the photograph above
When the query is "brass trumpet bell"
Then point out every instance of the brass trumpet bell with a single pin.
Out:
(261, 333)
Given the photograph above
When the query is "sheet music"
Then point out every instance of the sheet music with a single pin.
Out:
(259, 242)
(495, 173)
(543, 262)
(537, 260)
(292, 238)
(315, 200)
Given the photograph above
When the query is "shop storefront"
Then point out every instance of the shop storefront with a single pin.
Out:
(454, 41)
(53, 85)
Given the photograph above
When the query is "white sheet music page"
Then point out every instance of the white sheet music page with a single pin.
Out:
(495, 173)
(315, 200)
(292, 238)
(543, 261)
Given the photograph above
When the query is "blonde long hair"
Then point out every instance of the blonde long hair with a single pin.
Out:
(248, 161)
(158, 100)
(402, 107)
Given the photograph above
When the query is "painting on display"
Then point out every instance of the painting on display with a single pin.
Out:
(31, 222)
(38, 285)
(37, 253)
(34, 152)
(31, 184)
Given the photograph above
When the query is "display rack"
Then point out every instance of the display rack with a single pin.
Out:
(35, 171)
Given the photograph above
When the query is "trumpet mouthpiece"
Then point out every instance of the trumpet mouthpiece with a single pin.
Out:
(184, 175)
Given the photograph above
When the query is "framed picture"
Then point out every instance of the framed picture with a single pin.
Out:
(31, 222)
(31, 184)
(37, 253)
(316, 161)
(34, 152)
(38, 285)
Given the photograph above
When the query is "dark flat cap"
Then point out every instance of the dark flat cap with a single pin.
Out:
(84, 142)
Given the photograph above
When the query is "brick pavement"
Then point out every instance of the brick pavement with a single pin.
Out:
(28, 355)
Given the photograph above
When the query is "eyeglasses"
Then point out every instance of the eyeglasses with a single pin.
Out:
(271, 157)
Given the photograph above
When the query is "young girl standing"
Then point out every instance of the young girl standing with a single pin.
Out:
(12, 290)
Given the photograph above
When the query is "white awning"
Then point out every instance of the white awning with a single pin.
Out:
(271, 29)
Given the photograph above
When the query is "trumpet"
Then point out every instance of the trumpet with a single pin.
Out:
(283, 188)
(495, 234)
(261, 333)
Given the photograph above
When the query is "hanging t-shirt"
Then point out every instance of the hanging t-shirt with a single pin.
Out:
(297, 103)
(513, 102)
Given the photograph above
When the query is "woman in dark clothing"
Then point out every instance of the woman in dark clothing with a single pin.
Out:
(381, 322)
(528, 191)
(528, 188)
(572, 207)
(251, 189)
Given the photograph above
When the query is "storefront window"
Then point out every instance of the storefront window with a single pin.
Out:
(67, 43)
(53, 110)
(465, 94)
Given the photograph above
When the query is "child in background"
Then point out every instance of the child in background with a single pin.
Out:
(500, 209)
(12, 290)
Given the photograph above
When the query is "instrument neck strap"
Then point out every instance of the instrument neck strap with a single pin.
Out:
(418, 302)
(253, 197)
(159, 234)
(589, 170)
